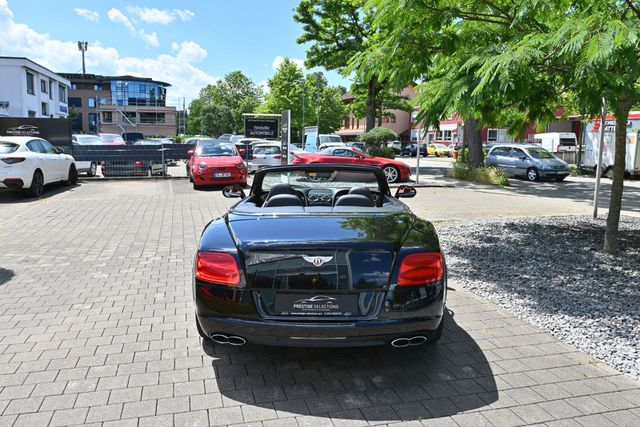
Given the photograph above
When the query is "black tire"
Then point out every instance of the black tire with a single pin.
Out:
(37, 184)
(608, 173)
(201, 331)
(190, 178)
(560, 178)
(93, 169)
(532, 174)
(434, 336)
(392, 173)
(195, 186)
(72, 179)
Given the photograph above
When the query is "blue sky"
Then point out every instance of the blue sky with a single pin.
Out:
(188, 44)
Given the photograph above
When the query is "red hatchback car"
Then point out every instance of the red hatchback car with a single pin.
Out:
(393, 170)
(216, 163)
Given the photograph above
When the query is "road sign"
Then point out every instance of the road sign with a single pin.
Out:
(261, 127)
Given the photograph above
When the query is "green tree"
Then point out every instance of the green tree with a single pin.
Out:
(387, 98)
(335, 30)
(286, 90)
(216, 120)
(377, 136)
(235, 93)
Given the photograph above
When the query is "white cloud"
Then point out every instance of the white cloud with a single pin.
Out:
(59, 55)
(87, 14)
(152, 15)
(264, 85)
(117, 17)
(184, 14)
(279, 59)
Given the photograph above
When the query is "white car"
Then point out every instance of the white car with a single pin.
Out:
(30, 163)
(395, 144)
(270, 154)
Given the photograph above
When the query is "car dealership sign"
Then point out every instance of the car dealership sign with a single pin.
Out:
(261, 127)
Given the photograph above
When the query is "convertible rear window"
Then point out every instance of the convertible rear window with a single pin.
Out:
(8, 147)
(337, 179)
(266, 150)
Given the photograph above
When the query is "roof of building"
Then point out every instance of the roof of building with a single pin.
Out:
(22, 58)
(74, 77)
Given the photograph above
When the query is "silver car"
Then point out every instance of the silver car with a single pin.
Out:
(530, 161)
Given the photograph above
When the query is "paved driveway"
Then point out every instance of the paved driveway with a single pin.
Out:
(97, 326)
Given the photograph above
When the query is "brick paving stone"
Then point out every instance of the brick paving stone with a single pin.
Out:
(112, 340)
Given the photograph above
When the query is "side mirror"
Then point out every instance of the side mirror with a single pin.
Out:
(190, 153)
(59, 150)
(405, 191)
(233, 192)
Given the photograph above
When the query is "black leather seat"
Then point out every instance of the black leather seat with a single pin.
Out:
(355, 200)
(281, 189)
(280, 200)
(363, 191)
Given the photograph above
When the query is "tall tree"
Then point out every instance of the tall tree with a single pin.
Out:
(387, 98)
(336, 29)
(286, 90)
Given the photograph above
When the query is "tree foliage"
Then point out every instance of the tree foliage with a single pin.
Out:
(387, 98)
(286, 90)
(378, 135)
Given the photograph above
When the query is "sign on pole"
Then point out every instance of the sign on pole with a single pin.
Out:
(285, 136)
(261, 127)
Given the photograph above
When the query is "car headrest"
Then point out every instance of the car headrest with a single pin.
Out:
(355, 200)
(283, 200)
(281, 189)
(362, 191)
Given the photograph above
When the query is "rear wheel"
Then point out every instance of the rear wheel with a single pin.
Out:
(72, 179)
(37, 184)
(560, 178)
(195, 186)
(391, 173)
(532, 174)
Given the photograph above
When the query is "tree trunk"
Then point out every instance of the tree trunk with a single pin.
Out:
(372, 88)
(473, 141)
(615, 203)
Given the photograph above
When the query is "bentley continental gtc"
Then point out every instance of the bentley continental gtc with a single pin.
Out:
(320, 255)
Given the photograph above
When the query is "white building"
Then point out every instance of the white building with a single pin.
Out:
(30, 90)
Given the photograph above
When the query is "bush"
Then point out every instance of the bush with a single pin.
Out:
(377, 136)
(484, 175)
(387, 152)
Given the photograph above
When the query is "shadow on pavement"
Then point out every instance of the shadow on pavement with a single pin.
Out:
(5, 275)
(50, 190)
(377, 384)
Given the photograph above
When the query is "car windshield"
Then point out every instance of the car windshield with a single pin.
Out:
(333, 179)
(88, 139)
(7, 147)
(540, 153)
(330, 138)
(217, 150)
(111, 138)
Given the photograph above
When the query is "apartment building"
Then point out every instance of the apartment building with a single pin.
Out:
(117, 104)
(28, 89)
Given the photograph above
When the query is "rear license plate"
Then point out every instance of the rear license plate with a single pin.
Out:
(222, 174)
(316, 305)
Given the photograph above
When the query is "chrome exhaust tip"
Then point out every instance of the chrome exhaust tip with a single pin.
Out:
(237, 341)
(220, 339)
(406, 342)
(228, 339)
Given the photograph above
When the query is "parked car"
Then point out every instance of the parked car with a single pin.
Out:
(312, 248)
(360, 146)
(331, 144)
(28, 163)
(394, 170)
(412, 149)
(226, 137)
(86, 139)
(438, 150)
(111, 139)
(314, 142)
(265, 154)
(90, 167)
(131, 137)
(217, 163)
(394, 144)
(530, 161)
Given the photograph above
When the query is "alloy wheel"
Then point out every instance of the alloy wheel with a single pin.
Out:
(391, 173)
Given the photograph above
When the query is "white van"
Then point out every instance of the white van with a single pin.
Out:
(312, 142)
(557, 141)
(632, 156)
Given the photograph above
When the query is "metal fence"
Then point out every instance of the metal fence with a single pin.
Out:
(161, 160)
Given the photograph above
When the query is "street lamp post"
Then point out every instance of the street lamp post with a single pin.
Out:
(319, 76)
(302, 84)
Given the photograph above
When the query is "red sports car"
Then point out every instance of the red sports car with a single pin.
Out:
(393, 170)
(216, 163)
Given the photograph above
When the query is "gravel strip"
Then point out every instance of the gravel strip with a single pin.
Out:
(551, 272)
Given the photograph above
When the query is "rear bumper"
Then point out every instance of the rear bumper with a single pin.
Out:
(338, 334)
(12, 183)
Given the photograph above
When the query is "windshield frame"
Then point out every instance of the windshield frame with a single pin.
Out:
(532, 150)
(218, 143)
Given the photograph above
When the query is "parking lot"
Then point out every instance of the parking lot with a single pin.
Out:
(97, 326)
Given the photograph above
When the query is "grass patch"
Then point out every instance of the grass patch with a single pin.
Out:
(484, 175)
(576, 171)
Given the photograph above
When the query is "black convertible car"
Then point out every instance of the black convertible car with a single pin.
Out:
(320, 255)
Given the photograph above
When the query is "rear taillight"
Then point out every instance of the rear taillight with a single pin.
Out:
(139, 163)
(217, 267)
(13, 160)
(277, 157)
(420, 269)
(255, 157)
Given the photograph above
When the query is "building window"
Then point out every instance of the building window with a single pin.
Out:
(30, 85)
(76, 123)
(413, 116)
(45, 109)
(107, 117)
(385, 119)
(446, 135)
(492, 135)
(74, 86)
(62, 93)
(152, 118)
(75, 102)
(50, 89)
(43, 86)
(31, 113)
(97, 87)
(91, 102)
(93, 123)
